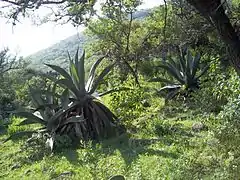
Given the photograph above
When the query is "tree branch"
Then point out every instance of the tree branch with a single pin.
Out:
(165, 20)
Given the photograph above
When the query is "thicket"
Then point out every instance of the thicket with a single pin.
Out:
(173, 53)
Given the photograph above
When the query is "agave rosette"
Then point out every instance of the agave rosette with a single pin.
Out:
(76, 112)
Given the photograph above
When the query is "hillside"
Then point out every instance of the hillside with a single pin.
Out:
(57, 53)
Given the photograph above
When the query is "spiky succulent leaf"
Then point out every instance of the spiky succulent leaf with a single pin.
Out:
(182, 61)
(81, 72)
(60, 70)
(172, 94)
(65, 98)
(195, 64)
(74, 74)
(203, 71)
(74, 119)
(100, 77)
(30, 118)
(173, 71)
(55, 120)
(189, 60)
(18, 135)
(92, 73)
(70, 85)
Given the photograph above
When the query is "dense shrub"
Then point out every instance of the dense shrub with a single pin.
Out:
(129, 104)
(229, 134)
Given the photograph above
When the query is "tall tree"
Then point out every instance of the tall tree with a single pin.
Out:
(75, 11)
(119, 34)
(214, 11)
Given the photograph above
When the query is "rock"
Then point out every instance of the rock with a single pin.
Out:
(67, 173)
(15, 166)
(117, 177)
(145, 103)
(199, 126)
(27, 171)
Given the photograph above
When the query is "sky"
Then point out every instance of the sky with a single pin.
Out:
(25, 38)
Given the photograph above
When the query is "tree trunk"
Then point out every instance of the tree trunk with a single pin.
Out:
(213, 10)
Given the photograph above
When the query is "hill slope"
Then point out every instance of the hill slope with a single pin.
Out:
(57, 53)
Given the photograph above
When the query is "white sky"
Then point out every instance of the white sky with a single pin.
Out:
(25, 39)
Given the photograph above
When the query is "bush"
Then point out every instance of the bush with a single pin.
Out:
(229, 134)
(130, 104)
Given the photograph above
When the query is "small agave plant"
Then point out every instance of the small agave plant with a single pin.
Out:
(185, 72)
(76, 112)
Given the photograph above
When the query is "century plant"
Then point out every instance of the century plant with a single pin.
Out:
(185, 72)
(76, 112)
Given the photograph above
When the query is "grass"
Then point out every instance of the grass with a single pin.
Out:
(161, 145)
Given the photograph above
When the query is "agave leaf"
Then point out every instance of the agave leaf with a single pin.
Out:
(54, 121)
(60, 70)
(172, 94)
(74, 74)
(55, 100)
(170, 87)
(203, 71)
(173, 71)
(109, 116)
(182, 61)
(92, 118)
(96, 122)
(100, 77)
(74, 119)
(101, 115)
(108, 113)
(189, 62)
(49, 95)
(65, 98)
(195, 64)
(174, 64)
(19, 135)
(30, 118)
(69, 84)
(92, 73)
(117, 177)
(50, 142)
(78, 130)
(38, 101)
(36, 97)
(69, 57)
(46, 92)
(51, 106)
(81, 72)
(77, 61)
(51, 78)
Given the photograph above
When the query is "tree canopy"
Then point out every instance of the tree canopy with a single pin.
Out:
(81, 11)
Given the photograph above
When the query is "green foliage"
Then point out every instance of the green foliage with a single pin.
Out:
(8, 65)
(130, 104)
(75, 112)
(229, 135)
(120, 34)
(14, 127)
(185, 72)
